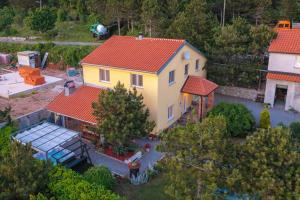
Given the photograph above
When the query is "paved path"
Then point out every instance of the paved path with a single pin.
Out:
(62, 43)
(277, 113)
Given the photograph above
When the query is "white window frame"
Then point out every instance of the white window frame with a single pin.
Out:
(186, 65)
(297, 61)
(106, 75)
(197, 65)
(170, 112)
(172, 82)
(137, 80)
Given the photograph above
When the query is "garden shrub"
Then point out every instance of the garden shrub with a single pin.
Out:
(67, 184)
(239, 119)
(62, 15)
(100, 176)
(295, 129)
(41, 20)
(265, 121)
(6, 18)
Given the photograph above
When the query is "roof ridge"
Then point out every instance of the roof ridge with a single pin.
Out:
(152, 38)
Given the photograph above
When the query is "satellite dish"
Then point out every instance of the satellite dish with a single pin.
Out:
(186, 55)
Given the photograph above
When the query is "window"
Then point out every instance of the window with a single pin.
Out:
(137, 80)
(197, 65)
(170, 112)
(171, 77)
(297, 63)
(104, 75)
(186, 69)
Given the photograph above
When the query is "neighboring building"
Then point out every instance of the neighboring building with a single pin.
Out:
(167, 72)
(283, 78)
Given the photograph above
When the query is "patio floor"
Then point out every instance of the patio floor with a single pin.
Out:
(120, 168)
(278, 115)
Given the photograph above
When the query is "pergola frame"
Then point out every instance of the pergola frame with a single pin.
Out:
(43, 133)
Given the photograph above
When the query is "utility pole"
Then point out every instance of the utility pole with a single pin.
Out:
(224, 8)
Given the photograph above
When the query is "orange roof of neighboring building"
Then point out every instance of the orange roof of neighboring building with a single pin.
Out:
(127, 52)
(284, 77)
(78, 105)
(198, 86)
(287, 41)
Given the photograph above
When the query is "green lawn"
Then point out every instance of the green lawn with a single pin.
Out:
(154, 190)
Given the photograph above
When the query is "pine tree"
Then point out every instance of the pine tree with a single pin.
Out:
(265, 121)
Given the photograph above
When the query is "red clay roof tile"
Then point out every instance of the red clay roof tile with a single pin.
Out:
(284, 77)
(198, 86)
(147, 54)
(287, 41)
(78, 105)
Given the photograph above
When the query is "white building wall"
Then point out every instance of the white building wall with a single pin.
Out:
(292, 101)
(283, 62)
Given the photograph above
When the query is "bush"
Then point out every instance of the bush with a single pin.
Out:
(69, 55)
(62, 15)
(67, 184)
(100, 176)
(239, 119)
(6, 18)
(265, 121)
(295, 129)
(41, 20)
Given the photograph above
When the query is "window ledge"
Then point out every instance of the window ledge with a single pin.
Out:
(170, 119)
(138, 87)
(104, 81)
(172, 83)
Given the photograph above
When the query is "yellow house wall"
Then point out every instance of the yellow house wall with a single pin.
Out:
(149, 90)
(171, 94)
(158, 94)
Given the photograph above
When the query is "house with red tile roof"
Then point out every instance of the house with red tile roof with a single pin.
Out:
(283, 78)
(169, 73)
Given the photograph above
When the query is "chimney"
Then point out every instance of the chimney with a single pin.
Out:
(69, 88)
(141, 36)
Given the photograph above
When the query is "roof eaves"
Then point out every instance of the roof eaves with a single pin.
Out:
(171, 58)
(195, 49)
(121, 68)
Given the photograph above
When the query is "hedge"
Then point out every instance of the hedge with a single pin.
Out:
(68, 55)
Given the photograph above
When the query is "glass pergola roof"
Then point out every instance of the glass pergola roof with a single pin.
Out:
(45, 136)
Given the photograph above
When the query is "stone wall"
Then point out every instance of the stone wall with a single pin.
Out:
(245, 93)
(32, 118)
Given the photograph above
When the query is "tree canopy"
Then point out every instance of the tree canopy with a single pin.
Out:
(121, 115)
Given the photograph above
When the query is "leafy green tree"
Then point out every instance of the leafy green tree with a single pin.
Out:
(197, 158)
(295, 129)
(265, 121)
(261, 37)
(268, 165)
(6, 18)
(289, 9)
(67, 184)
(5, 134)
(151, 13)
(195, 24)
(21, 174)
(41, 20)
(240, 120)
(81, 10)
(115, 9)
(121, 116)
(100, 176)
